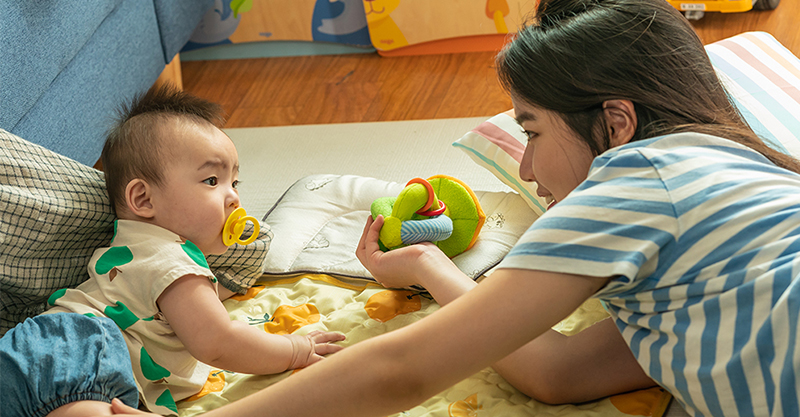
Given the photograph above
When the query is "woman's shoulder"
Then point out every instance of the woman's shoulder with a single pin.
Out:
(662, 151)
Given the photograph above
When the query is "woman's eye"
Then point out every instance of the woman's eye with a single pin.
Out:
(212, 181)
(530, 135)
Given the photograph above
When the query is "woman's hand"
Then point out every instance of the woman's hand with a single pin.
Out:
(398, 268)
(419, 264)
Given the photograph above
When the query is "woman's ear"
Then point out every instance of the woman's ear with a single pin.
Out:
(621, 121)
(138, 198)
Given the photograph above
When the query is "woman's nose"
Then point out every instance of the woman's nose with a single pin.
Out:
(526, 166)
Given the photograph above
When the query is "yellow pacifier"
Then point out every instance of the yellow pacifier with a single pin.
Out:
(234, 227)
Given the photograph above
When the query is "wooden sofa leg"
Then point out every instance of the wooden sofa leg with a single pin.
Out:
(172, 73)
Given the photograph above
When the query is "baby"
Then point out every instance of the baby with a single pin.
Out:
(171, 176)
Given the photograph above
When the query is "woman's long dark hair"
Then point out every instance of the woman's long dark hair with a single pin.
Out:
(575, 54)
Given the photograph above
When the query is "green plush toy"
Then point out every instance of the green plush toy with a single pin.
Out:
(441, 209)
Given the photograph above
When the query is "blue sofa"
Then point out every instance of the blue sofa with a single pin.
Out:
(69, 64)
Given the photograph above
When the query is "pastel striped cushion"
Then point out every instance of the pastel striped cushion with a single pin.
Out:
(764, 79)
(762, 76)
(497, 145)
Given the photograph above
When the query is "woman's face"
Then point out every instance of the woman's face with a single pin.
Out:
(555, 156)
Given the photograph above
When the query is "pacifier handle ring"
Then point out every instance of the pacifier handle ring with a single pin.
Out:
(256, 230)
(234, 226)
(429, 187)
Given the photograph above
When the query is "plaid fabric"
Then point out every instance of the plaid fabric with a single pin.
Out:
(54, 213)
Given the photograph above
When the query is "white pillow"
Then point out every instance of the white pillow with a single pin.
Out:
(497, 145)
(319, 220)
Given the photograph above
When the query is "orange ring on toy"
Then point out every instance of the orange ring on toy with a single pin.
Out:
(429, 187)
(434, 213)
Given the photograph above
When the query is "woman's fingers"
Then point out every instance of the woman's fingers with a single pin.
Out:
(373, 233)
(368, 244)
(362, 241)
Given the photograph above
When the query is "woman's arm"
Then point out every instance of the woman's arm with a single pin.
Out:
(398, 370)
(200, 321)
(559, 369)
(421, 264)
(553, 368)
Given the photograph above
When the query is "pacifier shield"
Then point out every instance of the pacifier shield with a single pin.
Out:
(234, 227)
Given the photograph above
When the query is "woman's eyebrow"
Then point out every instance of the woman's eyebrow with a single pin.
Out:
(524, 117)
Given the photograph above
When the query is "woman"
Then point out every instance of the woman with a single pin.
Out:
(669, 209)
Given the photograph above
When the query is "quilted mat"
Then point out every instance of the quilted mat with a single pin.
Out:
(359, 309)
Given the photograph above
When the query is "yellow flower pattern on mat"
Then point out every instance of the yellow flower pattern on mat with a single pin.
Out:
(214, 383)
(386, 305)
(287, 319)
(468, 407)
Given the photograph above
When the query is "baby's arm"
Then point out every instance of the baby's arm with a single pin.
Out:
(200, 321)
(224, 293)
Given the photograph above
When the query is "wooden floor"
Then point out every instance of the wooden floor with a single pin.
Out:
(368, 88)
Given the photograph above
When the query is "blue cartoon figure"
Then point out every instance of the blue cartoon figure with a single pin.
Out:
(340, 21)
(218, 24)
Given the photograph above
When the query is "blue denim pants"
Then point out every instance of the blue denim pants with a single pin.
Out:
(55, 359)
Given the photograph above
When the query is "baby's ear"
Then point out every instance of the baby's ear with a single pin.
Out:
(621, 121)
(138, 198)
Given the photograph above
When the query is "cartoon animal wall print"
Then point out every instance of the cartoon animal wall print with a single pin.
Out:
(340, 21)
(382, 29)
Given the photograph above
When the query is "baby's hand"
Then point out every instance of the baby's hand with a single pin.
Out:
(312, 347)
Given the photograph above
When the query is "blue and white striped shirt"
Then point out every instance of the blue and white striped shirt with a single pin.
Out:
(702, 237)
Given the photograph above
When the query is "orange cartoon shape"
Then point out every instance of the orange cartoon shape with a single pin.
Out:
(287, 319)
(468, 407)
(497, 10)
(386, 305)
(215, 383)
(646, 402)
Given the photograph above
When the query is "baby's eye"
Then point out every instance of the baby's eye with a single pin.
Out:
(236, 184)
(212, 181)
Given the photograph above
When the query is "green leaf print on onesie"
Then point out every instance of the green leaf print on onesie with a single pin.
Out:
(113, 257)
(121, 315)
(195, 253)
(166, 400)
(55, 296)
(151, 370)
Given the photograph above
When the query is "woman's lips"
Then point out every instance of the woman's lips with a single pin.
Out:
(550, 201)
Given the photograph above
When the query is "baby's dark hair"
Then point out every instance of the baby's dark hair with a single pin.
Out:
(134, 145)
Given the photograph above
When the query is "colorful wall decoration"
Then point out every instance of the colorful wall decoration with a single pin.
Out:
(392, 27)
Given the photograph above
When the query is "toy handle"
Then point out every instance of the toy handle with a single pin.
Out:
(234, 227)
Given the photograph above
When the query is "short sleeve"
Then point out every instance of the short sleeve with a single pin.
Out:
(618, 223)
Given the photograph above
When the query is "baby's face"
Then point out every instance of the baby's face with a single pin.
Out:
(199, 188)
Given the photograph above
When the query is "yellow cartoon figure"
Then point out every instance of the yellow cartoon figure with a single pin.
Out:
(497, 10)
(383, 31)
